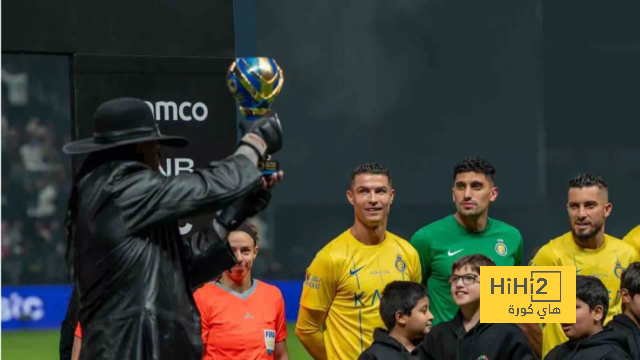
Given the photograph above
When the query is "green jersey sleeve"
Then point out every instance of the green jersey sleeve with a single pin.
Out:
(420, 241)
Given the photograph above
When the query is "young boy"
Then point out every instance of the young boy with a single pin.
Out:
(404, 308)
(464, 337)
(587, 339)
(628, 324)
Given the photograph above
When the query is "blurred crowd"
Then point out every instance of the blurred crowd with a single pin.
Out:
(35, 173)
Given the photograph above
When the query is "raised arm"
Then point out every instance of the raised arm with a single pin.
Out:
(210, 256)
(209, 251)
(146, 197)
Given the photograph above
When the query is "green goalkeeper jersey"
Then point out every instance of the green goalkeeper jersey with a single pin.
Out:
(441, 243)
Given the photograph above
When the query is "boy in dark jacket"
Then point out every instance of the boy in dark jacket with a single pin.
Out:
(587, 339)
(404, 308)
(628, 324)
(464, 337)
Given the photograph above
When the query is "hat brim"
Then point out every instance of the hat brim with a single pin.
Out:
(87, 146)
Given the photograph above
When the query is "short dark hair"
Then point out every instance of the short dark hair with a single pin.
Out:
(630, 279)
(400, 296)
(475, 261)
(593, 292)
(588, 179)
(251, 230)
(475, 164)
(372, 168)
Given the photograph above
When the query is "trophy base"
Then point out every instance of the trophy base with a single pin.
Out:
(269, 167)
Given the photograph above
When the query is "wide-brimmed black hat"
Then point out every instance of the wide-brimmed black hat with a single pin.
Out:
(123, 121)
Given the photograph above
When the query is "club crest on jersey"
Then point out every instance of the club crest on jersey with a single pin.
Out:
(400, 264)
(618, 269)
(483, 357)
(501, 248)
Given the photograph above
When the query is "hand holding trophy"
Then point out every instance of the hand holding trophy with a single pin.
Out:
(255, 82)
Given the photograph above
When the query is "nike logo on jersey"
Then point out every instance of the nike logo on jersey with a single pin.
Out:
(453, 253)
(353, 272)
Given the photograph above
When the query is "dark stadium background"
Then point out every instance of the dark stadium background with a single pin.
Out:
(543, 89)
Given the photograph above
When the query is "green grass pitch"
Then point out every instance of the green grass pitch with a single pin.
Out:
(43, 345)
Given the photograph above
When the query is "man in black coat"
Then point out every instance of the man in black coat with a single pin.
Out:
(133, 271)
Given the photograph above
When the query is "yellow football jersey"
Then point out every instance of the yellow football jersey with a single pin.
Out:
(633, 238)
(605, 263)
(346, 280)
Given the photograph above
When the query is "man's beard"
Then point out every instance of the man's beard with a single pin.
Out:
(586, 236)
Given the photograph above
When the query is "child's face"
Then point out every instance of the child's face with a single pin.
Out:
(632, 303)
(419, 323)
(465, 286)
(587, 321)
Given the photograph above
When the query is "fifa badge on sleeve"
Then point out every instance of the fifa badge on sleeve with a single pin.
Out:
(270, 341)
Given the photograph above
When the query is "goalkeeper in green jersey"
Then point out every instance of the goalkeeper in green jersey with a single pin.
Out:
(469, 231)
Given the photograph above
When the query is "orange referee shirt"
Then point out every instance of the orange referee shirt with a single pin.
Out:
(241, 326)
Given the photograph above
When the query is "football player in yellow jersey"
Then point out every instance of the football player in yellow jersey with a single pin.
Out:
(587, 247)
(633, 238)
(343, 284)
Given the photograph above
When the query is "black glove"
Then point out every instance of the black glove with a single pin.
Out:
(244, 208)
(268, 128)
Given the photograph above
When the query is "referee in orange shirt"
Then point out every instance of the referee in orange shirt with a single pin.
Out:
(242, 318)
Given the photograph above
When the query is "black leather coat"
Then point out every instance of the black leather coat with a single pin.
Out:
(135, 272)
